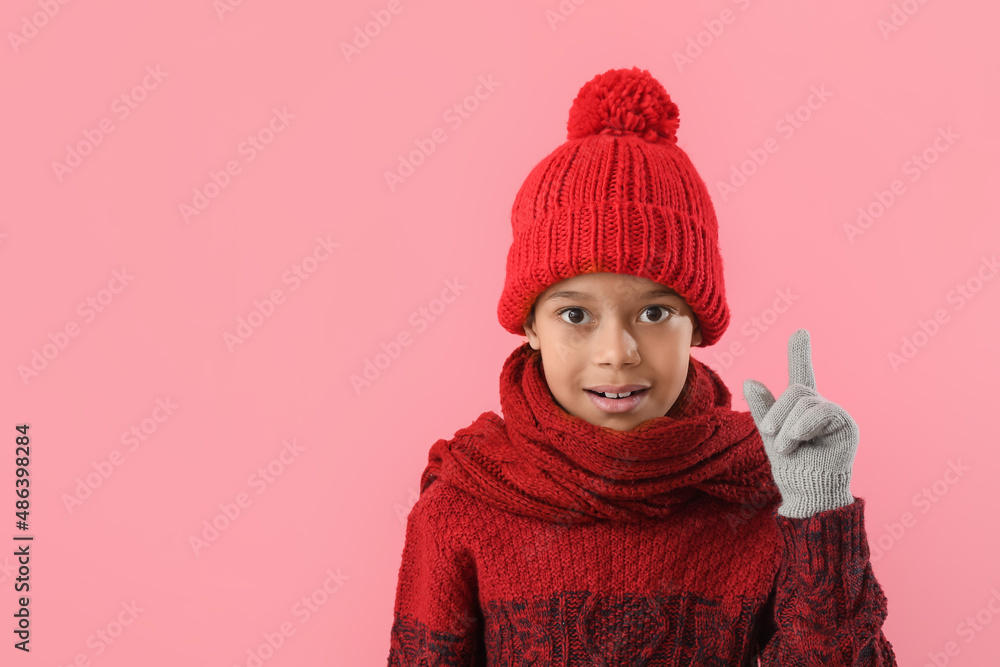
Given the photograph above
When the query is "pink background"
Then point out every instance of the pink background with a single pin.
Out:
(333, 511)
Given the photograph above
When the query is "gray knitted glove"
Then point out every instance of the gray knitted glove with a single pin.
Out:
(809, 441)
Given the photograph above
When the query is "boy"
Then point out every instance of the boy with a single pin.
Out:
(621, 512)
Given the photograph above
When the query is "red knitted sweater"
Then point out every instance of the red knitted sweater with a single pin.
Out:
(706, 581)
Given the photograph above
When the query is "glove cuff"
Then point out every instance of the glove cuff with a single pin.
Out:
(805, 492)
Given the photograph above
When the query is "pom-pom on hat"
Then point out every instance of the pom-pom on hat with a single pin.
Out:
(620, 196)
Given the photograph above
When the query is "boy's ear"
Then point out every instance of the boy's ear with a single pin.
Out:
(529, 330)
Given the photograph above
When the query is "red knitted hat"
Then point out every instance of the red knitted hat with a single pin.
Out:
(620, 196)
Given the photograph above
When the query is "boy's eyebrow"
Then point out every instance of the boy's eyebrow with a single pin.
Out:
(584, 296)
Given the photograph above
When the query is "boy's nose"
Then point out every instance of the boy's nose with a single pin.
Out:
(615, 345)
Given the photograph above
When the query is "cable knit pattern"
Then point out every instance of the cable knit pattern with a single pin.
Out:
(480, 586)
(829, 600)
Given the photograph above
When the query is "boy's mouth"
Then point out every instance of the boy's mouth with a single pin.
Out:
(613, 404)
(613, 395)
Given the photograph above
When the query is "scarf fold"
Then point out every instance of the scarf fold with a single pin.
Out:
(541, 461)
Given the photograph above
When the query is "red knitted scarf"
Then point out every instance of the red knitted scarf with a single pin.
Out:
(541, 461)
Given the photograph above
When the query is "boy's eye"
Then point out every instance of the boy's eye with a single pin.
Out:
(663, 314)
(576, 314)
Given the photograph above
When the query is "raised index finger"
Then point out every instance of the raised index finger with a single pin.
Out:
(800, 370)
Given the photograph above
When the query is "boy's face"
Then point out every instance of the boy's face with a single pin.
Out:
(610, 332)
